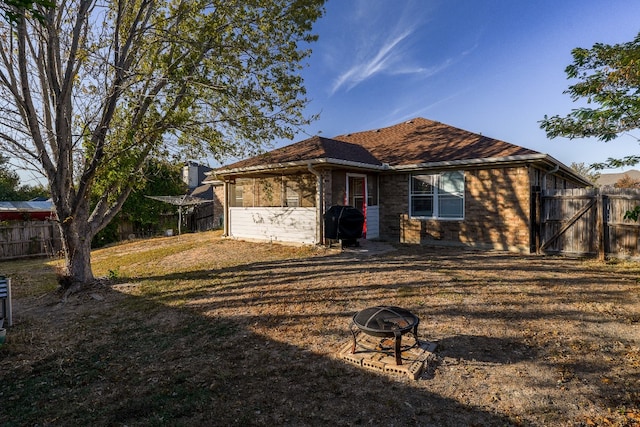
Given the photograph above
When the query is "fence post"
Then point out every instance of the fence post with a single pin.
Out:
(534, 219)
(540, 221)
(600, 229)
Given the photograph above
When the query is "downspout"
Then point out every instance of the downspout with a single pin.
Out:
(225, 209)
(319, 203)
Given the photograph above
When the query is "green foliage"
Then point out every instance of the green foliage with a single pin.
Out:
(13, 10)
(10, 188)
(159, 178)
(114, 274)
(9, 181)
(95, 89)
(633, 214)
(588, 172)
(617, 163)
(608, 78)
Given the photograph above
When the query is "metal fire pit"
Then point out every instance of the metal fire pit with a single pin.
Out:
(387, 322)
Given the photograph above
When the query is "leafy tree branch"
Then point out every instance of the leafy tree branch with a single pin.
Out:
(94, 89)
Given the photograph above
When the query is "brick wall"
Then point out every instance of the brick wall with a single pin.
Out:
(218, 208)
(497, 212)
(497, 209)
(338, 187)
(394, 203)
(497, 205)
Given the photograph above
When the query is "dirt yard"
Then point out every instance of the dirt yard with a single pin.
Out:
(235, 333)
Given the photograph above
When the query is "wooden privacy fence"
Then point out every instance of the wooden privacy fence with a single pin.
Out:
(22, 239)
(587, 222)
(201, 218)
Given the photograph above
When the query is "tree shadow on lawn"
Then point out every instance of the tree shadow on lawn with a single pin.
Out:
(252, 345)
(447, 271)
(316, 297)
(137, 362)
(485, 349)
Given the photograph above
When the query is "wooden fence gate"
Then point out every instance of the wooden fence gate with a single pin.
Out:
(587, 222)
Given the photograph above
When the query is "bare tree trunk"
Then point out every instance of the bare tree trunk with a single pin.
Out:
(76, 243)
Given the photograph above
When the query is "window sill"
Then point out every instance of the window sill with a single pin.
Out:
(435, 218)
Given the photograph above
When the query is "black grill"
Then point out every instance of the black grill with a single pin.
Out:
(343, 223)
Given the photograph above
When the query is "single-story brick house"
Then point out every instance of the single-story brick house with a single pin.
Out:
(419, 182)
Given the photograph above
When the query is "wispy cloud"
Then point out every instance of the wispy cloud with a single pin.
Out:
(381, 43)
(381, 60)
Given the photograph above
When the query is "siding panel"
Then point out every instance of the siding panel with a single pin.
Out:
(373, 222)
(288, 224)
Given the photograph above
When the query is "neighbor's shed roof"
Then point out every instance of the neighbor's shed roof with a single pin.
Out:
(27, 206)
(21, 210)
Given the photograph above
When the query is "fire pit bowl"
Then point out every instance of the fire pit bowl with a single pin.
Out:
(386, 322)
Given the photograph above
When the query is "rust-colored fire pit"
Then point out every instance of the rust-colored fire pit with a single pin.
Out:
(386, 322)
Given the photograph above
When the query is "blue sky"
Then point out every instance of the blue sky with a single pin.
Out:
(494, 67)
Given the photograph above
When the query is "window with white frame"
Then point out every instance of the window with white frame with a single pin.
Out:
(292, 196)
(438, 195)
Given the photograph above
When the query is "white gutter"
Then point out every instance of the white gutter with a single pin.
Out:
(482, 161)
(301, 163)
(384, 166)
(539, 157)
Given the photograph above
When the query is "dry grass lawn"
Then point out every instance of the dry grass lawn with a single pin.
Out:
(198, 330)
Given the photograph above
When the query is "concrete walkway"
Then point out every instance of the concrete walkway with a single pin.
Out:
(369, 248)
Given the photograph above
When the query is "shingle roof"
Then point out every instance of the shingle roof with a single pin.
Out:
(414, 142)
(313, 148)
(425, 141)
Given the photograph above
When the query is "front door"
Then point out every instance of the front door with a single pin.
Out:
(356, 196)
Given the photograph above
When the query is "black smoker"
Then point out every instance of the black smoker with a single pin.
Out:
(343, 223)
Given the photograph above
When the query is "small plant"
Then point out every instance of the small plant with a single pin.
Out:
(633, 214)
(113, 274)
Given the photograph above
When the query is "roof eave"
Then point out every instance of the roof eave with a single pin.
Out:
(496, 161)
(292, 165)
(471, 162)
(539, 158)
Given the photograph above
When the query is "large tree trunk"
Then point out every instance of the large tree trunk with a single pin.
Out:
(88, 94)
(76, 243)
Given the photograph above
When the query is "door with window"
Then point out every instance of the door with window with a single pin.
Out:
(356, 196)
